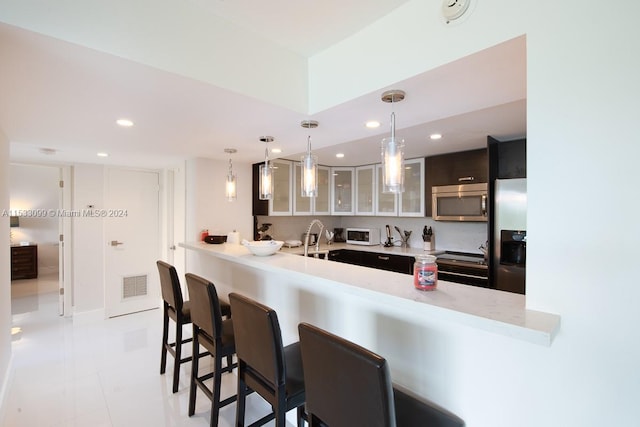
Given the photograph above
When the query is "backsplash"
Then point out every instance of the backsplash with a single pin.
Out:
(452, 236)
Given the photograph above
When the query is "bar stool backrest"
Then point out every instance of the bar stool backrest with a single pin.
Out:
(170, 285)
(205, 305)
(346, 385)
(258, 342)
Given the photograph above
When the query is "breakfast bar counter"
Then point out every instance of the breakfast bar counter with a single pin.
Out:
(489, 310)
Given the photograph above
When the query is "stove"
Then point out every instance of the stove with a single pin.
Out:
(465, 268)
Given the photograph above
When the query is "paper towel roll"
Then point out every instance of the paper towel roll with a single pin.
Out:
(233, 237)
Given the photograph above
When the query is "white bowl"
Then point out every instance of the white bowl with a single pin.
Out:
(263, 247)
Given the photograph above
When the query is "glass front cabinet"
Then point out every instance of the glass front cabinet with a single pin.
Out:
(412, 200)
(365, 189)
(281, 203)
(318, 205)
(409, 203)
(347, 191)
(342, 188)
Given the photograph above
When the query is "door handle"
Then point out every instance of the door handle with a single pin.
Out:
(116, 243)
(172, 247)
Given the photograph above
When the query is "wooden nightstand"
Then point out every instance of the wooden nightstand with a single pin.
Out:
(24, 262)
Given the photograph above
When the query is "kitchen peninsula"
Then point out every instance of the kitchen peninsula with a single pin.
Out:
(303, 287)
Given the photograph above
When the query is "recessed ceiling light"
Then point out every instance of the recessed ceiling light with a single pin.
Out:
(126, 123)
(435, 136)
(103, 154)
(340, 155)
(276, 150)
(372, 124)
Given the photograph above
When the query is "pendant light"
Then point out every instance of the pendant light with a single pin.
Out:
(231, 184)
(392, 151)
(309, 172)
(266, 172)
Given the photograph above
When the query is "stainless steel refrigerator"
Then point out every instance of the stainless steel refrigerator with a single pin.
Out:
(510, 235)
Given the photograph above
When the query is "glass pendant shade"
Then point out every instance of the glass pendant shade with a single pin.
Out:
(392, 162)
(231, 185)
(265, 181)
(309, 175)
(230, 182)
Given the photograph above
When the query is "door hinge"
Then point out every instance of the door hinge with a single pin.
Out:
(62, 237)
(61, 184)
(61, 291)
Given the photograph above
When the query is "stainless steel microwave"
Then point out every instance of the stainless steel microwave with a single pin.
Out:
(363, 236)
(466, 202)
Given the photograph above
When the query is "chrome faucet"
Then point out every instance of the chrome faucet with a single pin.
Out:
(306, 237)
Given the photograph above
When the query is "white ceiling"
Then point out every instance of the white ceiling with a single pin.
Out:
(304, 26)
(65, 97)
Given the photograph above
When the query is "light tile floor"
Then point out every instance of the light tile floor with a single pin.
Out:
(100, 374)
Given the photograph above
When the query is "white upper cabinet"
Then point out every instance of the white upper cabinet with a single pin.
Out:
(322, 203)
(365, 189)
(281, 202)
(318, 205)
(342, 188)
(301, 205)
(411, 201)
(347, 191)
(386, 203)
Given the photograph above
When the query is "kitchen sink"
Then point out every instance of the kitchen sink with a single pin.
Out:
(319, 254)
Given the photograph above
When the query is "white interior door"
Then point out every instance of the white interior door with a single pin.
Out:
(132, 234)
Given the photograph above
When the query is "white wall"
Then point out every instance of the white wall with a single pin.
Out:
(5, 290)
(88, 240)
(35, 187)
(206, 206)
(582, 223)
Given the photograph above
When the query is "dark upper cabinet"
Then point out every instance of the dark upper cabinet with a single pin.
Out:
(463, 167)
(507, 159)
(259, 207)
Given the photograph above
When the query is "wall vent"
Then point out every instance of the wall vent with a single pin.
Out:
(134, 286)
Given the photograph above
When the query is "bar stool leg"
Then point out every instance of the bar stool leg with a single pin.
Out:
(215, 401)
(165, 340)
(193, 388)
(240, 403)
(178, 358)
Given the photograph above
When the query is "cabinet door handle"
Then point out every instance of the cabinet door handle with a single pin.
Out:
(466, 179)
(383, 258)
(116, 243)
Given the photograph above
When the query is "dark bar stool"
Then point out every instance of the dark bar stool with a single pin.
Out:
(264, 365)
(176, 308)
(348, 385)
(216, 336)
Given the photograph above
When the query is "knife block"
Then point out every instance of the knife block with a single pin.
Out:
(430, 243)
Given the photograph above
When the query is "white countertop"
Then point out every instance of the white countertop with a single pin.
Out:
(487, 309)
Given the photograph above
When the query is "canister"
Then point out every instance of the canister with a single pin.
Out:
(425, 273)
